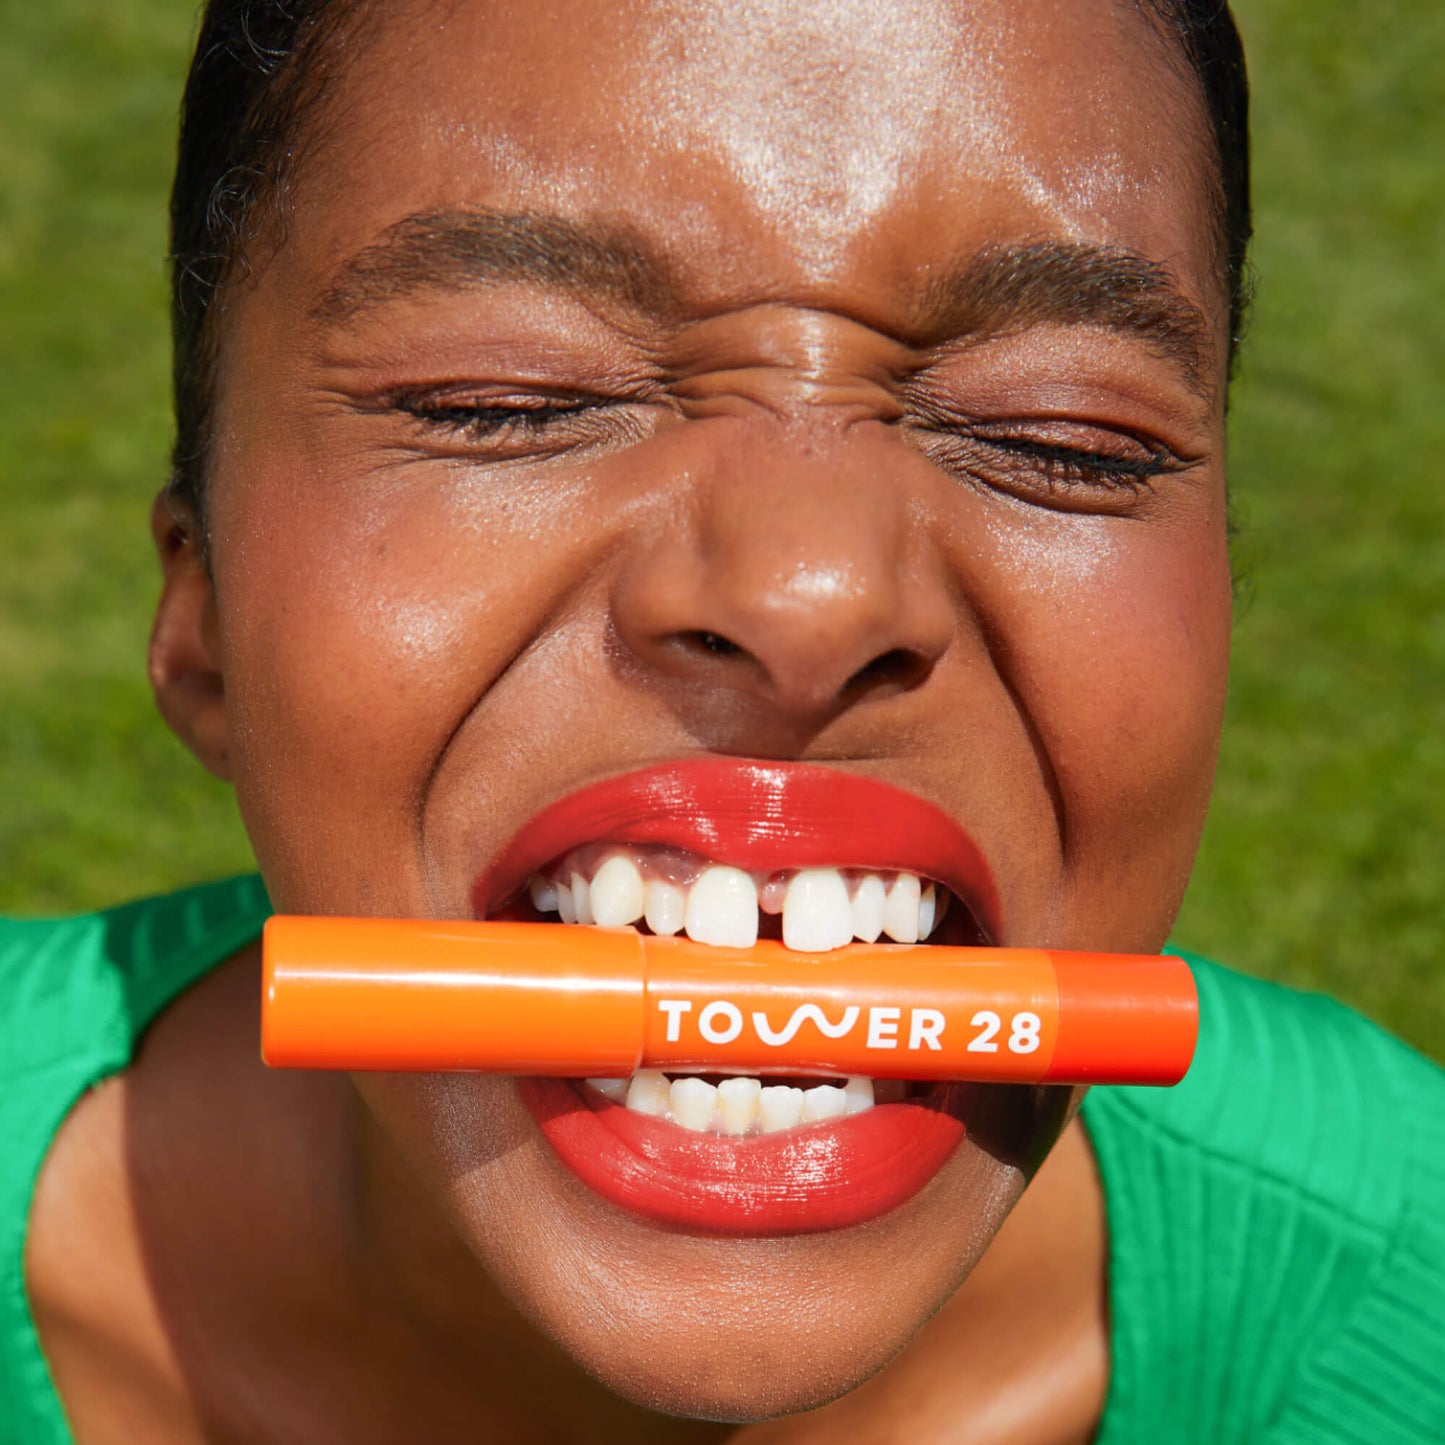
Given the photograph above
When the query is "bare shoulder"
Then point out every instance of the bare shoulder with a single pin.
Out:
(162, 1209)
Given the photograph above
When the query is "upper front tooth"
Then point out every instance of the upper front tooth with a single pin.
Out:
(737, 1104)
(691, 1102)
(663, 907)
(867, 907)
(927, 911)
(617, 892)
(543, 894)
(566, 910)
(816, 912)
(722, 908)
(900, 909)
(581, 898)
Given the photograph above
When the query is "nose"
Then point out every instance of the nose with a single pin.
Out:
(793, 574)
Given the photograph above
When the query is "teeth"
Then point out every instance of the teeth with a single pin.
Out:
(900, 909)
(816, 913)
(544, 895)
(867, 908)
(824, 1101)
(663, 908)
(737, 1104)
(617, 892)
(744, 1105)
(779, 1107)
(566, 909)
(581, 898)
(691, 1103)
(648, 1092)
(927, 911)
(822, 908)
(722, 908)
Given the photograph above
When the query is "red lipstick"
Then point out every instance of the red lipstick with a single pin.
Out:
(760, 816)
(825, 1176)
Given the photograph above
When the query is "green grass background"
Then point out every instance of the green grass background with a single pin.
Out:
(1323, 859)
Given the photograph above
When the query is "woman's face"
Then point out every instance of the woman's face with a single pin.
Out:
(653, 381)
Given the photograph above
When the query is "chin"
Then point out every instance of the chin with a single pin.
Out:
(740, 1359)
(725, 1328)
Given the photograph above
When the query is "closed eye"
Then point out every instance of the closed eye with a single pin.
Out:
(519, 425)
(1071, 465)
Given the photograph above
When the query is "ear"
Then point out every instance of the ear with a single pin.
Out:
(184, 659)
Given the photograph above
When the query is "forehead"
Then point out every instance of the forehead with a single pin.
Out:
(771, 146)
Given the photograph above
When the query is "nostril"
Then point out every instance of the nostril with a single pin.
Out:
(898, 668)
(712, 642)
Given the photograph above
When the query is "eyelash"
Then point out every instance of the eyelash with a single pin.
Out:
(1079, 465)
(481, 422)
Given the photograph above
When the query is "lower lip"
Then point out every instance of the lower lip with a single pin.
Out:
(823, 1176)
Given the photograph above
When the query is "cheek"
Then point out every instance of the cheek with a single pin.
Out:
(1121, 664)
(360, 627)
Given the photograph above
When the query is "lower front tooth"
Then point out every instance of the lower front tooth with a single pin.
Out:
(691, 1103)
(614, 1089)
(648, 1092)
(780, 1106)
(825, 1101)
(737, 1104)
(858, 1095)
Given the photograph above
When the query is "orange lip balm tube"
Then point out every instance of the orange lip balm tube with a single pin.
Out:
(541, 998)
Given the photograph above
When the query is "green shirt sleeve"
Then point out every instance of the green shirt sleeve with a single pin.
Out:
(75, 996)
(1277, 1232)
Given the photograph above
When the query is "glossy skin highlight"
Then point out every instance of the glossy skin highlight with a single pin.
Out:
(781, 502)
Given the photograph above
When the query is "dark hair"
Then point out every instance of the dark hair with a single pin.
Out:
(260, 66)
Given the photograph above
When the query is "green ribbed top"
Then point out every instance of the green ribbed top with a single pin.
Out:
(1277, 1221)
(1277, 1232)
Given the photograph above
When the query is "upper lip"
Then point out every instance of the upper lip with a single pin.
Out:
(761, 815)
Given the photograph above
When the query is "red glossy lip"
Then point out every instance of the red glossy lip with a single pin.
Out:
(757, 815)
(763, 816)
(825, 1176)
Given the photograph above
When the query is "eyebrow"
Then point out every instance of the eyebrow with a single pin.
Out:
(451, 250)
(1002, 290)
(1009, 288)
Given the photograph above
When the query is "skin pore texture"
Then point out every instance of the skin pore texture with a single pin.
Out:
(629, 383)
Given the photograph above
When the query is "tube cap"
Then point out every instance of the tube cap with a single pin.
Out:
(1130, 1019)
